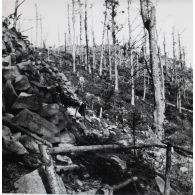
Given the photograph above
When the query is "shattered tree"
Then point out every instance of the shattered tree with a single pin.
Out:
(148, 13)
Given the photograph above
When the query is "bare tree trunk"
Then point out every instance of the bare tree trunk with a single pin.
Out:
(167, 171)
(116, 71)
(129, 26)
(86, 39)
(102, 46)
(132, 82)
(144, 93)
(15, 13)
(179, 100)
(73, 28)
(149, 21)
(144, 56)
(93, 37)
(137, 66)
(109, 56)
(69, 31)
(65, 43)
(81, 30)
(36, 27)
(120, 56)
(94, 63)
(174, 57)
(165, 54)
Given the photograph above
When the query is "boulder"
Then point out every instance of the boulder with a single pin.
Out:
(49, 110)
(27, 101)
(10, 72)
(21, 83)
(12, 147)
(9, 94)
(67, 138)
(29, 143)
(25, 66)
(6, 61)
(30, 184)
(6, 131)
(35, 123)
(161, 184)
(7, 116)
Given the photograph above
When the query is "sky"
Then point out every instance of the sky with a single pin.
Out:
(54, 14)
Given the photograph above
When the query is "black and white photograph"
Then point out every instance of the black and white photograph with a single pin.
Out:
(97, 97)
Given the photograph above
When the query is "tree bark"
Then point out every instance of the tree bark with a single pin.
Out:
(109, 56)
(144, 93)
(94, 50)
(69, 30)
(168, 171)
(52, 177)
(179, 100)
(69, 149)
(132, 82)
(73, 28)
(149, 21)
(86, 39)
(116, 71)
(102, 46)
(81, 30)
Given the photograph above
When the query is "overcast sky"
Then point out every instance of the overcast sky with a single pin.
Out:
(177, 13)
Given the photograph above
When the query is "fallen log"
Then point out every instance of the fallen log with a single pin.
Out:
(185, 109)
(55, 185)
(72, 167)
(18, 128)
(57, 150)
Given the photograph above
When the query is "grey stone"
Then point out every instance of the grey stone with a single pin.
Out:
(21, 83)
(29, 143)
(30, 184)
(35, 123)
(27, 101)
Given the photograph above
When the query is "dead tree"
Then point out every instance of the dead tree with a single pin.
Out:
(103, 33)
(148, 13)
(109, 55)
(181, 66)
(36, 19)
(174, 56)
(129, 26)
(93, 39)
(69, 29)
(168, 171)
(112, 5)
(144, 54)
(81, 32)
(165, 53)
(41, 31)
(73, 29)
(16, 17)
(86, 39)
(132, 79)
